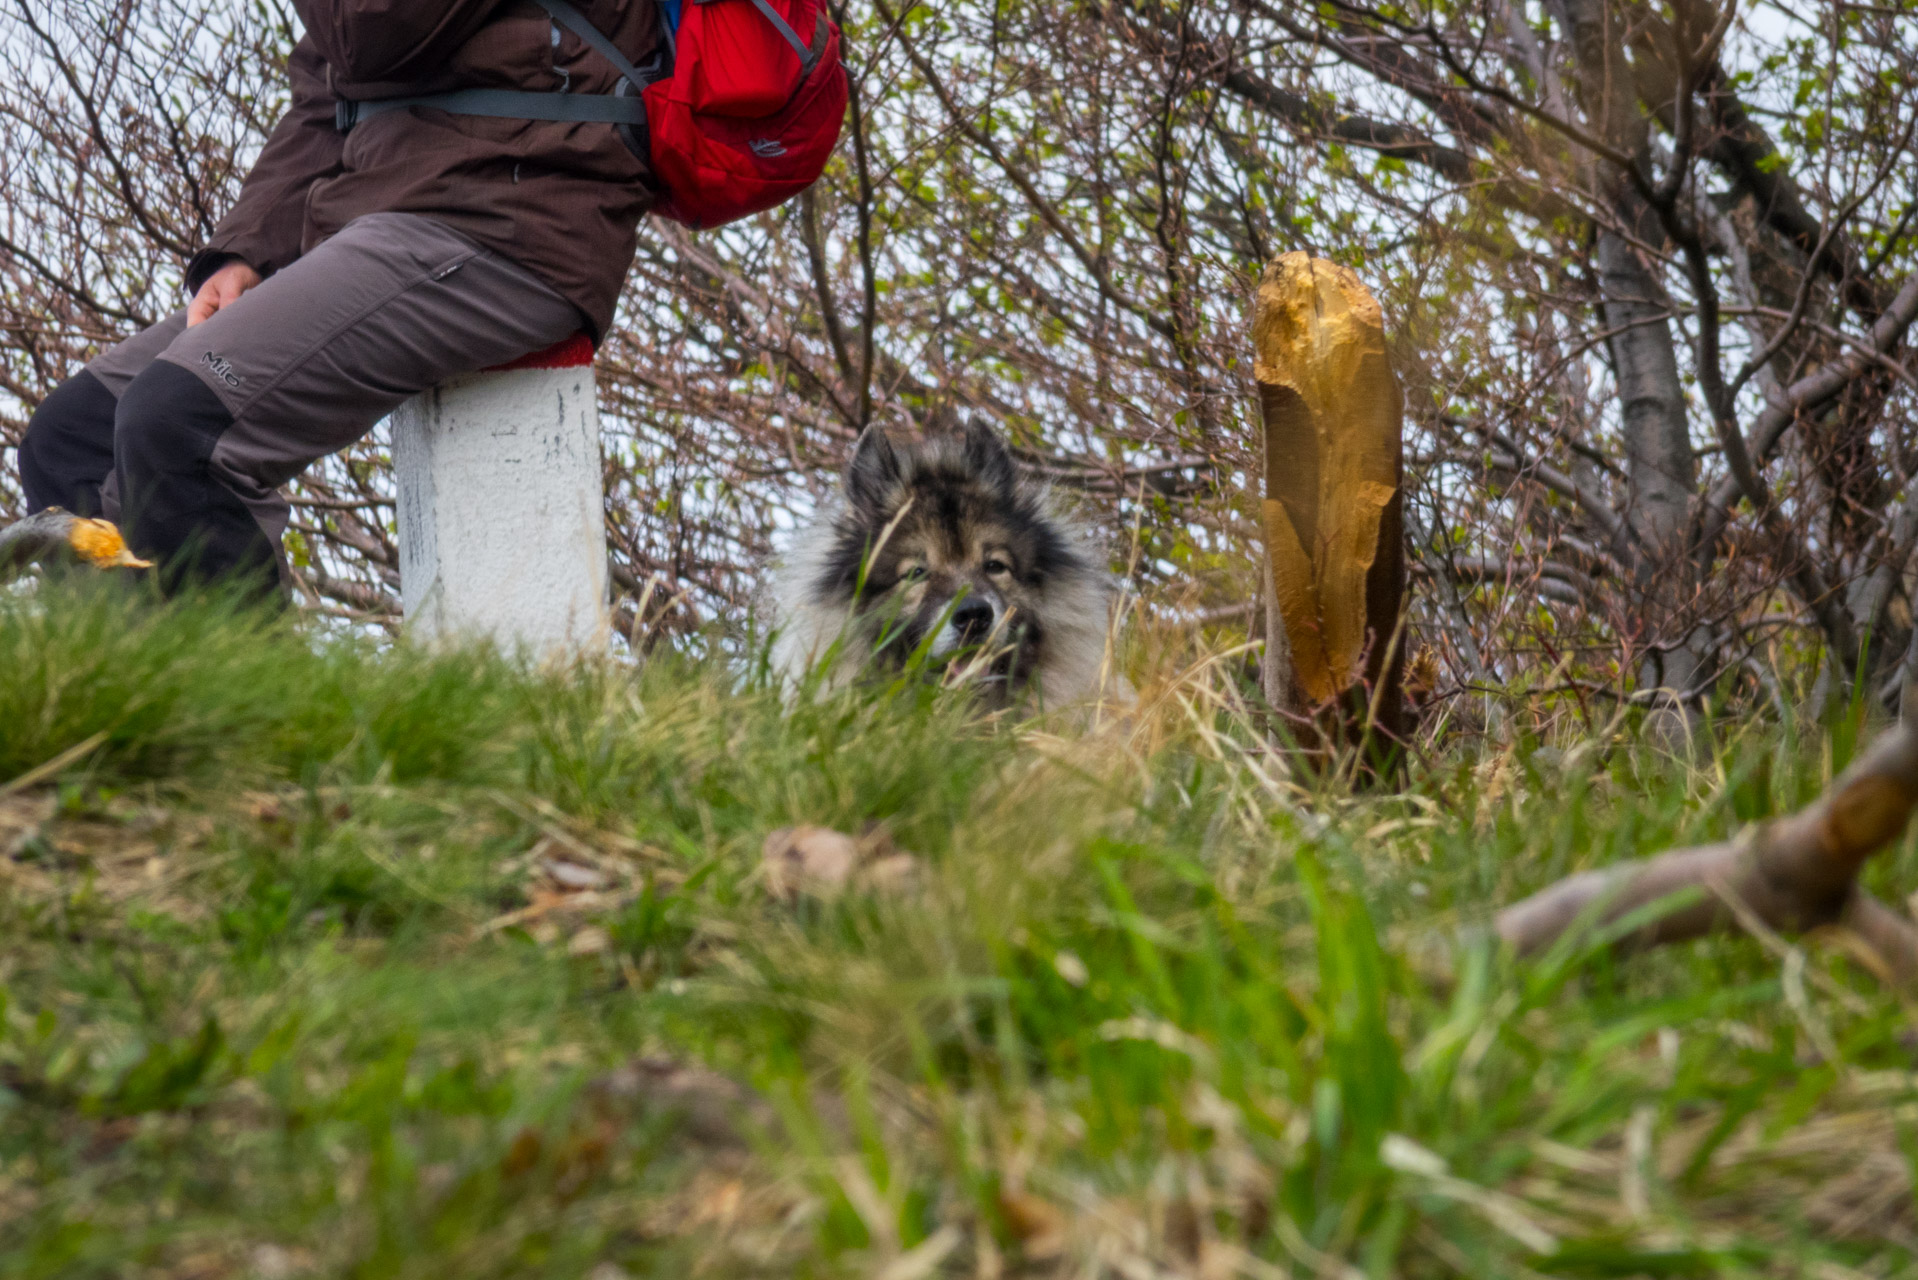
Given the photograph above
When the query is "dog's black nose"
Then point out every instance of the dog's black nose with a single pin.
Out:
(972, 620)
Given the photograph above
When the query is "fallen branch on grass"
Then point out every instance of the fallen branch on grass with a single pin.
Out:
(1790, 875)
(53, 534)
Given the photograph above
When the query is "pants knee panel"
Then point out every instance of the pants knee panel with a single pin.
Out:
(175, 509)
(67, 452)
(167, 423)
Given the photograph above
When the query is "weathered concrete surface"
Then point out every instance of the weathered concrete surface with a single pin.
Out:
(502, 530)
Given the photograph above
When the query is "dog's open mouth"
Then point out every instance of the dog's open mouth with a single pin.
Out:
(995, 665)
(974, 671)
(1002, 661)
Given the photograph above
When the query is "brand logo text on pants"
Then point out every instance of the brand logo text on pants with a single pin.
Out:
(222, 369)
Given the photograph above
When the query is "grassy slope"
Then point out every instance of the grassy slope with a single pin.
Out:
(290, 989)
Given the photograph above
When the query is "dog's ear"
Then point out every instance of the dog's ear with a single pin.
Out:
(872, 480)
(988, 457)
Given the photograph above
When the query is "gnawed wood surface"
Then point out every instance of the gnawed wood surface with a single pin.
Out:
(1787, 875)
(1333, 469)
(56, 535)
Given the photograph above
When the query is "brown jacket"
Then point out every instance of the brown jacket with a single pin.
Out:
(563, 200)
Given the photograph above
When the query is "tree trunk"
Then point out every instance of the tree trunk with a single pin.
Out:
(1334, 524)
(1659, 466)
(1661, 476)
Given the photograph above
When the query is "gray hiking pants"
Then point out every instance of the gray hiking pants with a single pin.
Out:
(185, 435)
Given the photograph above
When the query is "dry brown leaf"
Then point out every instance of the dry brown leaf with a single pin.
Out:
(590, 941)
(266, 808)
(718, 1202)
(893, 874)
(1039, 1225)
(560, 881)
(571, 877)
(276, 1262)
(523, 1154)
(808, 859)
(824, 863)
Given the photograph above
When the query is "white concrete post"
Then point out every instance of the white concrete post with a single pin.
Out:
(502, 523)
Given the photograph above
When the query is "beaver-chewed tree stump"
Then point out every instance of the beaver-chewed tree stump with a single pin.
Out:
(1333, 515)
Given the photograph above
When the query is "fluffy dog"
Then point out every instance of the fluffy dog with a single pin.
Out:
(941, 553)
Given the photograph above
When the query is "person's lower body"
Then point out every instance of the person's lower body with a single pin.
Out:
(184, 436)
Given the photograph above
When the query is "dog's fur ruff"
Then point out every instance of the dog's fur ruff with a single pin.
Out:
(920, 542)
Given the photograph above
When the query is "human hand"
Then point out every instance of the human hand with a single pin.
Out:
(222, 289)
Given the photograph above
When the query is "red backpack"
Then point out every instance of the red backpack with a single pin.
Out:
(751, 113)
(739, 116)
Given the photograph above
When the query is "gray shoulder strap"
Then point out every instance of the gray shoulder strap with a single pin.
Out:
(573, 108)
(575, 21)
(808, 57)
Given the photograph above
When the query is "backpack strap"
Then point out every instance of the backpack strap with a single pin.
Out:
(579, 108)
(808, 57)
(574, 108)
(575, 21)
(519, 104)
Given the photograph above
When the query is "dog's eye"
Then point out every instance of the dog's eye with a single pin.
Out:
(912, 572)
(996, 565)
